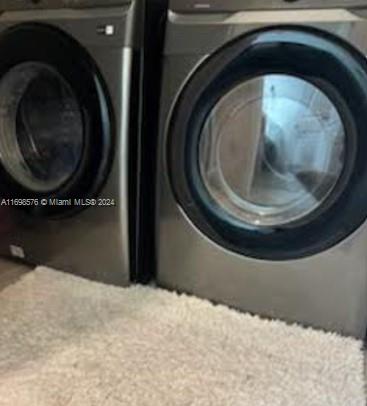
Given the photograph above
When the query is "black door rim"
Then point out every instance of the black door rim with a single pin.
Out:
(48, 45)
(328, 62)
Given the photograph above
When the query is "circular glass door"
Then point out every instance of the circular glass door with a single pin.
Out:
(272, 150)
(266, 144)
(41, 127)
(56, 121)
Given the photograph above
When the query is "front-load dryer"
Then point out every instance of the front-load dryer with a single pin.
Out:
(67, 79)
(262, 186)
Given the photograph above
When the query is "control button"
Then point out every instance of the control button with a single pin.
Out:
(108, 30)
(202, 6)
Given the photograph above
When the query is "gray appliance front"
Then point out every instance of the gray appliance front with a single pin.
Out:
(93, 243)
(327, 290)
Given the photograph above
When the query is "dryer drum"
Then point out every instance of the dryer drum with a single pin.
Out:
(266, 143)
(41, 127)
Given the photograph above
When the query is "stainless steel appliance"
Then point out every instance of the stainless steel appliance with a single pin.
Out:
(262, 166)
(69, 73)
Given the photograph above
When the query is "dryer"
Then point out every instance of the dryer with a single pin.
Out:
(262, 180)
(69, 74)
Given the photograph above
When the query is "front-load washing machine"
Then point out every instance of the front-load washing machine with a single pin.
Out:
(262, 186)
(69, 71)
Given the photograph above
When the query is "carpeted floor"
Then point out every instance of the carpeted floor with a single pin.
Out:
(65, 341)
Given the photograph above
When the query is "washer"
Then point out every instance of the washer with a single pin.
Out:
(262, 175)
(69, 73)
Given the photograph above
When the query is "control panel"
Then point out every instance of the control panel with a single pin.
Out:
(207, 6)
(54, 4)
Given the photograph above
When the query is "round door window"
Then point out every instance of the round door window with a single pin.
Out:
(266, 143)
(272, 150)
(41, 127)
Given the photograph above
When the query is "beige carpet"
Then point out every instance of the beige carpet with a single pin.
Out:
(66, 341)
